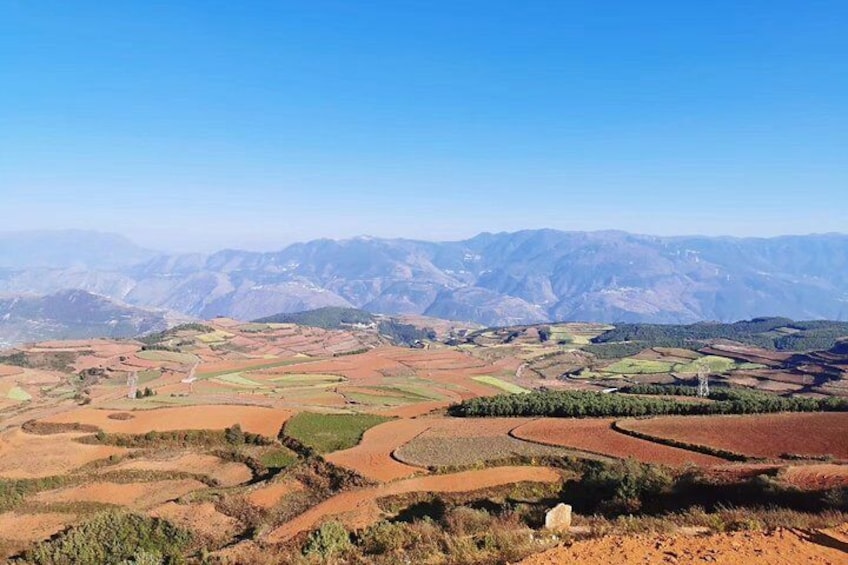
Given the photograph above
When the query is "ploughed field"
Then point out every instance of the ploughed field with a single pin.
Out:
(762, 435)
(597, 436)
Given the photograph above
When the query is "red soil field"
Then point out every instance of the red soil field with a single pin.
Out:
(596, 436)
(782, 546)
(228, 473)
(8, 370)
(358, 508)
(256, 419)
(268, 496)
(816, 476)
(24, 455)
(136, 495)
(201, 518)
(372, 458)
(32, 527)
(763, 435)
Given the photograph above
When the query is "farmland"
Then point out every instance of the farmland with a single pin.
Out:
(252, 437)
(766, 436)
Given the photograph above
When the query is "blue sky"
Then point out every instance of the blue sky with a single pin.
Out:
(207, 124)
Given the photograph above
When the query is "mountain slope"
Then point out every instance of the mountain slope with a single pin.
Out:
(504, 278)
(71, 314)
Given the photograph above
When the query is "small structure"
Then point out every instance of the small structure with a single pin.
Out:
(558, 517)
(132, 384)
(703, 380)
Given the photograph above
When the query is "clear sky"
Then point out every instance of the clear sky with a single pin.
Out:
(206, 124)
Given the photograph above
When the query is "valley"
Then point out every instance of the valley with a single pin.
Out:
(263, 441)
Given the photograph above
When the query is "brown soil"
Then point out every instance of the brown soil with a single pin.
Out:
(228, 473)
(816, 476)
(202, 519)
(596, 436)
(763, 435)
(783, 547)
(358, 508)
(135, 495)
(269, 496)
(256, 419)
(24, 455)
(372, 458)
(32, 527)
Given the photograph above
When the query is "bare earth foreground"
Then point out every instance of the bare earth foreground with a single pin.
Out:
(784, 547)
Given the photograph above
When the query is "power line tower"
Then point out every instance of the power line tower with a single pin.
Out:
(132, 384)
(703, 380)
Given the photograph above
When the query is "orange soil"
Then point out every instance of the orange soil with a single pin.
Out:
(138, 495)
(228, 473)
(8, 370)
(24, 455)
(784, 547)
(201, 518)
(414, 410)
(372, 457)
(32, 527)
(358, 508)
(817, 476)
(256, 419)
(473, 427)
(764, 435)
(268, 496)
(596, 436)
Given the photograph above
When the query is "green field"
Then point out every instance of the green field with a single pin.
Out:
(326, 433)
(168, 356)
(278, 458)
(630, 366)
(236, 379)
(503, 385)
(307, 379)
(214, 337)
(268, 363)
(19, 394)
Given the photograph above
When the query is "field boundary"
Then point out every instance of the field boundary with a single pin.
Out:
(696, 447)
(577, 453)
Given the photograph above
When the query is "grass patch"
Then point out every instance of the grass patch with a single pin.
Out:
(638, 367)
(500, 384)
(237, 379)
(19, 394)
(167, 356)
(278, 458)
(216, 336)
(260, 364)
(326, 433)
(307, 379)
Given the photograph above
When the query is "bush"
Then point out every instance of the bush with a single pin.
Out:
(330, 540)
(234, 435)
(114, 538)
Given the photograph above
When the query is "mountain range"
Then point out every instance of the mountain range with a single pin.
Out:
(492, 279)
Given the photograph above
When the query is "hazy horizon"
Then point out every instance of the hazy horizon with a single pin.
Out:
(200, 126)
(283, 244)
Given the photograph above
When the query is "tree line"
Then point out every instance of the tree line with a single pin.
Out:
(587, 404)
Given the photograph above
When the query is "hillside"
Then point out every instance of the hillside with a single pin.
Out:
(72, 315)
(493, 279)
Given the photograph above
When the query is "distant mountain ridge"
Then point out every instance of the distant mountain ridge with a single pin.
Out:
(492, 279)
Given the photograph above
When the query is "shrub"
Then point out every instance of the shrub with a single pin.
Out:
(114, 538)
(330, 540)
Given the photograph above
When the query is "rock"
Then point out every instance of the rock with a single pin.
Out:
(558, 517)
